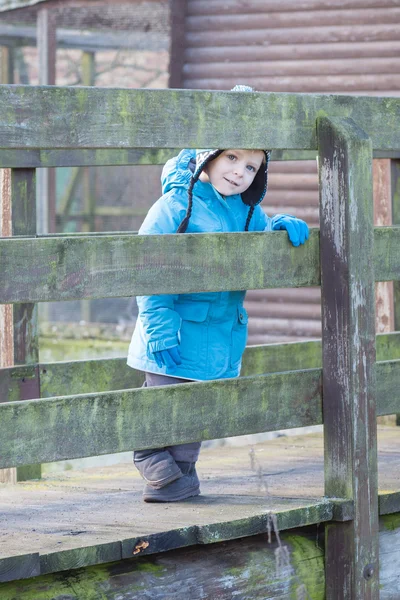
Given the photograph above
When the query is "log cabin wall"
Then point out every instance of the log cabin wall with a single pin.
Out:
(310, 46)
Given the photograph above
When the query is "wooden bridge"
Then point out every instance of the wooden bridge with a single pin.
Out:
(51, 412)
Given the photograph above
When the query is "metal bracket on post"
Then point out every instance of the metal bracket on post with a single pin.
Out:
(348, 325)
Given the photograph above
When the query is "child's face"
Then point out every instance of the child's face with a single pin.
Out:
(233, 171)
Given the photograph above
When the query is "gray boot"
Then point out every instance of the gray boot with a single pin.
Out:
(157, 467)
(185, 487)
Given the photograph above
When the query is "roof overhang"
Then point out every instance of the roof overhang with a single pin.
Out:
(13, 4)
(7, 5)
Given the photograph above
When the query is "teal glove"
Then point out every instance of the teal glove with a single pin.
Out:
(296, 228)
(169, 358)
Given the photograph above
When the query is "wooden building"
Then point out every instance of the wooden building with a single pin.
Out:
(308, 46)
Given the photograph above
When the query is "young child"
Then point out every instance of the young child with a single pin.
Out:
(196, 337)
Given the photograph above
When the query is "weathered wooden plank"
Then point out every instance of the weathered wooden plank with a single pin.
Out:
(76, 558)
(348, 351)
(387, 387)
(91, 118)
(84, 158)
(103, 375)
(317, 512)
(242, 568)
(237, 568)
(66, 268)
(389, 503)
(71, 267)
(19, 567)
(104, 157)
(79, 377)
(34, 431)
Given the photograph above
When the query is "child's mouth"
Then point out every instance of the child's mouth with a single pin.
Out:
(231, 182)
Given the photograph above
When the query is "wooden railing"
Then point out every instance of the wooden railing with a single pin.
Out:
(50, 126)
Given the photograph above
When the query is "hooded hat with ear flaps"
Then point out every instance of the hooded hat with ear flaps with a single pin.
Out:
(251, 197)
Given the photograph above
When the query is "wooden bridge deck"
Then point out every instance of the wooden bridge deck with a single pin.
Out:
(96, 515)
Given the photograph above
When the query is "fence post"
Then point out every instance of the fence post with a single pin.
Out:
(348, 320)
(19, 194)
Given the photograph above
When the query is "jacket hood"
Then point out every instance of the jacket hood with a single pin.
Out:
(177, 171)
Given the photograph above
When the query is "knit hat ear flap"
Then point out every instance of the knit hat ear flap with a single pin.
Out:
(256, 192)
(203, 157)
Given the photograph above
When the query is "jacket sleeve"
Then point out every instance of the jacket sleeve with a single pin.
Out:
(262, 222)
(161, 323)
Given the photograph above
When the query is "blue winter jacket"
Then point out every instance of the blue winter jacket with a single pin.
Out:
(209, 328)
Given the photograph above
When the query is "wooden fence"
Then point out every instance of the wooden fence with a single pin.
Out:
(70, 410)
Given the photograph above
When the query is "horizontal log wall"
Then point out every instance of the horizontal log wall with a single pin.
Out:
(329, 47)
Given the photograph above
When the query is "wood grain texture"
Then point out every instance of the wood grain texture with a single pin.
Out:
(104, 157)
(110, 265)
(236, 568)
(91, 118)
(34, 431)
(102, 423)
(348, 351)
(104, 375)
(71, 267)
(19, 567)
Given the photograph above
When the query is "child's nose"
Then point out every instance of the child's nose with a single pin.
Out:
(238, 170)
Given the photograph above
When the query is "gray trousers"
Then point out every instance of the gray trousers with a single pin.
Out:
(182, 452)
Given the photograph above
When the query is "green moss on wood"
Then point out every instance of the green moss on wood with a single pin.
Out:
(73, 117)
(391, 522)
(307, 558)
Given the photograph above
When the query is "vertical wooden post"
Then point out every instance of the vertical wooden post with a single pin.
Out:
(178, 12)
(89, 183)
(25, 316)
(348, 302)
(47, 47)
(20, 321)
(384, 295)
(6, 65)
(89, 175)
(382, 217)
(395, 180)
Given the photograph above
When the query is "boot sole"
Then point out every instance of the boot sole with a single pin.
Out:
(157, 497)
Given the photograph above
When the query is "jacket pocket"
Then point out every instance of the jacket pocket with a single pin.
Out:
(193, 332)
(239, 336)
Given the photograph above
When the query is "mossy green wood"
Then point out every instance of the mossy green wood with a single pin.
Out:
(84, 158)
(247, 566)
(72, 267)
(54, 268)
(104, 157)
(107, 374)
(243, 568)
(76, 117)
(95, 424)
(348, 354)
(107, 422)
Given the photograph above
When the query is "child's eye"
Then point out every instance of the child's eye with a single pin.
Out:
(251, 168)
(231, 156)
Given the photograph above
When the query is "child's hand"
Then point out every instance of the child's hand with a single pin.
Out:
(169, 358)
(296, 228)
